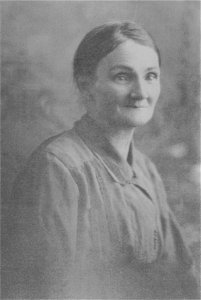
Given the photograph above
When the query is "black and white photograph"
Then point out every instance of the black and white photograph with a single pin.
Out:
(100, 150)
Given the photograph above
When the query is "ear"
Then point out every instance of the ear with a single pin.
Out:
(87, 95)
(83, 83)
(86, 91)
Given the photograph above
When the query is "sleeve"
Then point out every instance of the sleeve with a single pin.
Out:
(184, 267)
(176, 259)
(39, 232)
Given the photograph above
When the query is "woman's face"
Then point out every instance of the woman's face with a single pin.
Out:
(126, 87)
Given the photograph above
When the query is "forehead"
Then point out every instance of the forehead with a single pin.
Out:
(132, 55)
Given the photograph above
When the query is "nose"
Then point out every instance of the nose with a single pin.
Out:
(138, 90)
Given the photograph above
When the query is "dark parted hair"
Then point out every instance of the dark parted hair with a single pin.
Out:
(102, 40)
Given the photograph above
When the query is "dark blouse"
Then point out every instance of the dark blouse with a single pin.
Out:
(83, 223)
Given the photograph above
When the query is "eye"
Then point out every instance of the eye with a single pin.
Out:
(152, 76)
(122, 77)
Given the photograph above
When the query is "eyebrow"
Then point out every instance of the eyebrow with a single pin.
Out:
(130, 69)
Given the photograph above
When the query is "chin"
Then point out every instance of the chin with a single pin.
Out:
(133, 118)
(141, 122)
(127, 123)
(135, 121)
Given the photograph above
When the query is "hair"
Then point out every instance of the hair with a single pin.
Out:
(102, 40)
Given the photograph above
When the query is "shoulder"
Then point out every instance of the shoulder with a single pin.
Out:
(58, 160)
(66, 148)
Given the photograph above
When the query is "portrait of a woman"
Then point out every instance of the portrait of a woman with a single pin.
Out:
(89, 217)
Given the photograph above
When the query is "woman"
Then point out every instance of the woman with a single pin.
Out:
(89, 217)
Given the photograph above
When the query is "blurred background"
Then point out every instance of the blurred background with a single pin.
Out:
(39, 99)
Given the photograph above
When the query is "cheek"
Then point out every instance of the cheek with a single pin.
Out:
(109, 94)
(155, 93)
(116, 94)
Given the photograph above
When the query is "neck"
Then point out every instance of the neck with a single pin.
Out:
(119, 138)
(121, 141)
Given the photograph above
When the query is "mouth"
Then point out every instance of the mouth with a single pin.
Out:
(137, 105)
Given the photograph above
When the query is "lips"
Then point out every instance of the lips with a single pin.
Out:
(138, 104)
